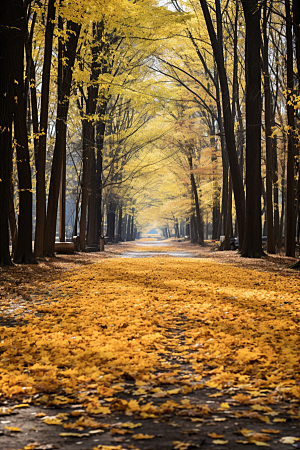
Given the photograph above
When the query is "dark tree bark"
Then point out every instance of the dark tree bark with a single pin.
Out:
(252, 246)
(228, 227)
(23, 252)
(120, 218)
(111, 222)
(61, 134)
(41, 155)
(290, 227)
(268, 132)
(7, 43)
(296, 19)
(128, 233)
(86, 134)
(199, 222)
(228, 123)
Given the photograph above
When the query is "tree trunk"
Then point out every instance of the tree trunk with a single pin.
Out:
(128, 238)
(119, 234)
(91, 237)
(100, 129)
(41, 155)
(124, 228)
(23, 252)
(296, 20)
(268, 132)
(61, 134)
(228, 228)
(252, 246)
(290, 226)
(197, 207)
(86, 131)
(228, 124)
(193, 226)
(9, 14)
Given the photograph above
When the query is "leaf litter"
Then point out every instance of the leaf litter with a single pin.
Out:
(136, 337)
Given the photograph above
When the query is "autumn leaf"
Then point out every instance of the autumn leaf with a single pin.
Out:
(117, 431)
(219, 442)
(13, 429)
(270, 431)
(143, 436)
(215, 435)
(181, 445)
(74, 434)
(22, 405)
(52, 421)
(289, 440)
(131, 425)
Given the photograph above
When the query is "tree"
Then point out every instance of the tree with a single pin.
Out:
(252, 246)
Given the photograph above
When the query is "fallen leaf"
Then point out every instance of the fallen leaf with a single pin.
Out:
(181, 445)
(143, 436)
(220, 442)
(270, 431)
(131, 425)
(22, 405)
(52, 421)
(215, 435)
(287, 440)
(74, 434)
(5, 411)
(225, 405)
(13, 429)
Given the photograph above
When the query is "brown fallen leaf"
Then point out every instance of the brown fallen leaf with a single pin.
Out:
(215, 435)
(181, 445)
(190, 431)
(118, 431)
(270, 431)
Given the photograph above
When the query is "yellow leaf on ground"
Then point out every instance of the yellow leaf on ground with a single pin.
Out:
(143, 436)
(225, 405)
(220, 442)
(74, 434)
(22, 405)
(131, 425)
(52, 421)
(13, 429)
(279, 420)
(286, 440)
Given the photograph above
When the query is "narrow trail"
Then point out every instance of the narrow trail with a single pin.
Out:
(151, 351)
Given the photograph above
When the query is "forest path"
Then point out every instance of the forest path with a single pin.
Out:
(150, 353)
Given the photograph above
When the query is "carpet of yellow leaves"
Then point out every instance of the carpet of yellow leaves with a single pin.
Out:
(119, 321)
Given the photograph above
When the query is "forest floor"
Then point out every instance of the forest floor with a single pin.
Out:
(150, 345)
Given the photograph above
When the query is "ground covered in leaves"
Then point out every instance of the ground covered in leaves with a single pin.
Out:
(124, 351)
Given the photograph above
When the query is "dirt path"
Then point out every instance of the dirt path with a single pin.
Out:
(176, 408)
